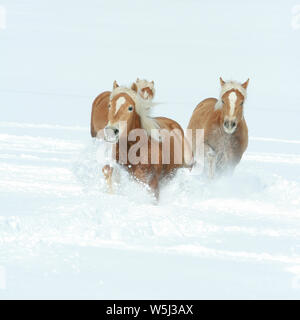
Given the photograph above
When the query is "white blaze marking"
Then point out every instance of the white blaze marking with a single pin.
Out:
(232, 101)
(145, 94)
(119, 104)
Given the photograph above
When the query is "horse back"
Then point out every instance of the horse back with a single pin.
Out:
(169, 124)
(202, 113)
(202, 118)
(99, 117)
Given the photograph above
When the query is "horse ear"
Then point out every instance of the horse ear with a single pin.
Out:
(115, 85)
(137, 79)
(222, 82)
(245, 84)
(134, 87)
(152, 84)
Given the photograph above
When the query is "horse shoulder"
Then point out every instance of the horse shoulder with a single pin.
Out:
(244, 140)
(241, 143)
(99, 116)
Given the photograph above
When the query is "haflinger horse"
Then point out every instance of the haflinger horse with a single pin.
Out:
(145, 89)
(142, 155)
(99, 117)
(225, 128)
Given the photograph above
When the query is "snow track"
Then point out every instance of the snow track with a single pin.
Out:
(252, 217)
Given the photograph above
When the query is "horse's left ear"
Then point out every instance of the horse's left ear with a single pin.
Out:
(245, 84)
(152, 84)
(115, 85)
(222, 82)
(134, 87)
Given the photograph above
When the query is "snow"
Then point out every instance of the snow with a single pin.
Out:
(63, 236)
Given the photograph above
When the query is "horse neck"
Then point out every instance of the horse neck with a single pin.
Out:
(137, 122)
(218, 117)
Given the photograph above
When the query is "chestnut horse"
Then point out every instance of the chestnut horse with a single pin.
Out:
(225, 128)
(145, 89)
(99, 117)
(127, 106)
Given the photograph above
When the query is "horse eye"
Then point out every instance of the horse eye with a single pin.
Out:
(109, 106)
(242, 103)
(223, 102)
(130, 108)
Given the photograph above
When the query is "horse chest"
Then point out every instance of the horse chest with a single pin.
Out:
(226, 146)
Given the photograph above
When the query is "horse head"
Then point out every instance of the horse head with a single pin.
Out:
(121, 111)
(127, 111)
(231, 102)
(144, 88)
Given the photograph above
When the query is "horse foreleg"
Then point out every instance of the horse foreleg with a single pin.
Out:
(211, 158)
(154, 187)
(154, 182)
(108, 173)
(212, 168)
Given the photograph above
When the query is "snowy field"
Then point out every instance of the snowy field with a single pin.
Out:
(63, 236)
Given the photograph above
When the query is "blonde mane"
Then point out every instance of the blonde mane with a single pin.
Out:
(143, 109)
(229, 85)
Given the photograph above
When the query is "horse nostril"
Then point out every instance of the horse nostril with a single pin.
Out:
(116, 131)
(233, 124)
(226, 123)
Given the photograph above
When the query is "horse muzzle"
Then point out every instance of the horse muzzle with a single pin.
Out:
(111, 134)
(230, 126)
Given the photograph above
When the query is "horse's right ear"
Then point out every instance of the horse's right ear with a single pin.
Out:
(115, 85)
(134, 87)
(222, 82)
(245, 84)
